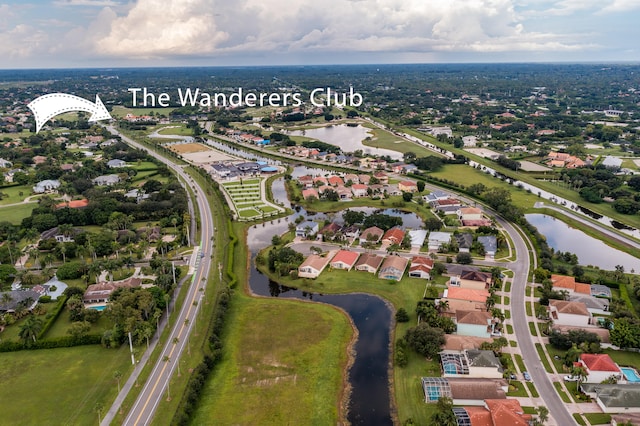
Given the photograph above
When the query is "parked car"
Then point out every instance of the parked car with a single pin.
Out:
(526, 376)
(570, 379)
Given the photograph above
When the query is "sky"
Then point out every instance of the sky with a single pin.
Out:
(120, 33)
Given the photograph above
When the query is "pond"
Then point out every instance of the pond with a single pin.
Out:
(348, 138)
(369, 375)
(589, 250)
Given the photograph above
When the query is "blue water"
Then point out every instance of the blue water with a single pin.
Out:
(631, 374)
(98, 308)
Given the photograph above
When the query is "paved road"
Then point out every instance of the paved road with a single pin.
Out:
(155, 389)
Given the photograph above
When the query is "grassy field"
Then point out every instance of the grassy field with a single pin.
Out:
(598, 418)
(408, 387)
(465, 175)
(121, 111)
(12, 194)
(173, 129)
(387, 140)
(64, 384)
(15, 214)
(284, 365)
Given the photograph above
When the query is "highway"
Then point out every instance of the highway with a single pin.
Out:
(156, 387)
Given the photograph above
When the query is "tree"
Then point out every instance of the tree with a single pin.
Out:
(78, 329)
(425, 340)
(464, 258)
(117, 375)
(402, 315)
(407, 196)
(420, 185)
(30, 329)
(444, 415)
(543, 415)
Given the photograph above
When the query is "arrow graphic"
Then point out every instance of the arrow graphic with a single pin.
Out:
(48, 106)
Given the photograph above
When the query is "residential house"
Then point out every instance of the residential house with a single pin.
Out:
(467, 294)
(335, 181)
(313, 266)
(463, 391)
(351, 177)
(392, 190)
(73, 204)
(471, 278)
(16, 298)
(106, 180)
(458, 342)
(563, 312)
(39, 159)
(417, 236)
(328, 232)
(372, 234)
(393, 236)
(449, 206)
(600, 367)
(599, 290)
(369, 262)
(98, 294)
(359, 190)
(469, 213)
(612, 162)
(393, 268)
(616, 398)
(364, 179)
(115, 163)
(474, 363)
(344, 193)
(563, 282)
(59, 236)
(464, 241)
(382, 177)
(436, 195)
(306, 181)
(344, 259)
(320, 181)
(437, 239)
(351, 231)
(310, 192)
(5, 163)
(420, 267)
(47, 185)
(407, 186)
(474, 323)
(496, 412)
(307, 228)
(490, 244)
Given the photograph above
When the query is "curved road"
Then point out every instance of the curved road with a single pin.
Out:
(155, 389)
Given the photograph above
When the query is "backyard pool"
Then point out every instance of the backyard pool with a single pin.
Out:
(631, 374)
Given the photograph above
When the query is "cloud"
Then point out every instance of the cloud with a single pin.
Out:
(94, 3)
(621, 6)
(22, 41)
(163, 29)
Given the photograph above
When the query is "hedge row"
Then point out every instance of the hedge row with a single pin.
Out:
(59, 342)
(53, 317)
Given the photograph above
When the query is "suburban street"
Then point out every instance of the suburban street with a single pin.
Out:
(156, 387)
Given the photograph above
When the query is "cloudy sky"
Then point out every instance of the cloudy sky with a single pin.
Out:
(114, 33)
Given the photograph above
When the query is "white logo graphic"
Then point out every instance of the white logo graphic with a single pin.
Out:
(48, 106)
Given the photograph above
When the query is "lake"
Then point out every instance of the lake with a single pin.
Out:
(589, 250)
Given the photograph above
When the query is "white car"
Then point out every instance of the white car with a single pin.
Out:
(570, 379)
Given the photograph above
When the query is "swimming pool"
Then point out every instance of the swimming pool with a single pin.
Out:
(103, 307)
(631, 374)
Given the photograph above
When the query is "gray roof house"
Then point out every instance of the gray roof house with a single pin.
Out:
(306, 228)
(47, 185)
(615, 398)
(5, 163)
(17, 297)
(490, 244)
(116, 163)
(465, 241)
(107, 180)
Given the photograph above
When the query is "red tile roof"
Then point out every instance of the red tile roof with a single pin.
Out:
(467, 294)
(422, 260)
(345, 256)
(507, 412)
(599, 362)
(394, 234)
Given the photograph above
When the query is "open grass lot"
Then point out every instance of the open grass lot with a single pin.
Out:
(63, 384)
(12, 194)
(180, 129)
(15, 214)
(284, 365)
(624, 358)
(465, 175)
(387, 140)
(409, 388)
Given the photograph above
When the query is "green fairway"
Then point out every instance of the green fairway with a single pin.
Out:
(120, 111)
(60, 386)
(387, 140)
(284, 365)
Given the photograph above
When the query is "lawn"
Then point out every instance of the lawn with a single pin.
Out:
(565, 398)
(465, 175)
(578, 418)
(543, 358)
(284, 365)
(12, 194)
(624, 358)
(121, 111)
(517, 388)
(408, 387)
(64, 385)
(387, 140)
(15, 214)
(532, 329)
(598, 418)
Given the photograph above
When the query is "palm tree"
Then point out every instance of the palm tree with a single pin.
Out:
(443, 305)
(117, 375)
(30, 329)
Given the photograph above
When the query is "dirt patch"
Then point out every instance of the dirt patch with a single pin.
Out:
(184, 148)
